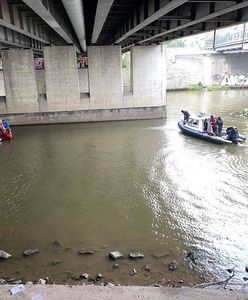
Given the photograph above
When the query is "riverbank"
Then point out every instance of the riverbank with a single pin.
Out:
(60, 292)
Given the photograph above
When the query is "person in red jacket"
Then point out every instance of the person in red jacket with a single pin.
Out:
(213, 121)
(6, 134)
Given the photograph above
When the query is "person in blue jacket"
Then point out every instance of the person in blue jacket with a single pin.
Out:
(6, 124)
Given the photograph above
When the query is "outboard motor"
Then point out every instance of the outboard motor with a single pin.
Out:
(232, 134)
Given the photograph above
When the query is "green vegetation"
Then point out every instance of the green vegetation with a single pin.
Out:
(196, 87)
(125, 62)
(218, 88)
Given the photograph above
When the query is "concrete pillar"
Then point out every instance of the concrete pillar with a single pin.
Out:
(105, 76)
(61, 77)
(20, 82)
(148, 75)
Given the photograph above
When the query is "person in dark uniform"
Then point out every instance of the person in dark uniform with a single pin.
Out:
(220, 125)
(186, 116)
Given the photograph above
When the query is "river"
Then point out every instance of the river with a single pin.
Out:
(128, 186)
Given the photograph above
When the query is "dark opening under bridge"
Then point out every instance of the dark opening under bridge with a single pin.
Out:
(57, 29)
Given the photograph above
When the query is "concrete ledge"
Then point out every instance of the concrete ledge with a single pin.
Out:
(93, 115)
(61, 292)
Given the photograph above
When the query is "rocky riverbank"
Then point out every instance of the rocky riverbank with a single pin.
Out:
(154, 269)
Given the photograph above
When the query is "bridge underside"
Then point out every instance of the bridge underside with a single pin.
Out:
(57, 29)
(37, 23)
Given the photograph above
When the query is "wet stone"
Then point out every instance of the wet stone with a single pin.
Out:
(246, 268)
(115, 266)
(157, 285)
(99, 276)
(136, 255)
(29, 252)
(91, 279)
(57, 243)
(173, 265)
(85, 252)
(28, 282)
(133, 272)
(84, 275)
(41, 281)
(192, 257)
(245, 278)
(115, 255)
(17, 282)
(2, 281)
(110, 284)
(147, 268)
(4, 255)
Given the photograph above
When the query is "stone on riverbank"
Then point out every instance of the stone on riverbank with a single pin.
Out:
(136, 255)
(115, 266)
(173, 265)
(110, 285)
(29, 283)
(57, 243)
(41, 281)
(29, 252)
(99, 276)
(115, 255)
(4, 255)
(84, 275)
(85, 252)
(133, 272)
(2, 281)
(192, 257)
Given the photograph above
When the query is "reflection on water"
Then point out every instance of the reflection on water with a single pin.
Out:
(138, 185)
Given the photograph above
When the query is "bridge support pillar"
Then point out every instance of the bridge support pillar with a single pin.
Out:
(20, 82)
(148, 75)
(105, 76)
(61, 77)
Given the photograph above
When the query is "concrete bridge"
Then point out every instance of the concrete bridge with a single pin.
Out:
(60, 29)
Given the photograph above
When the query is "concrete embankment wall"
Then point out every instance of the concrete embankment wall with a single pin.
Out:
(63, 93)
(185, 70)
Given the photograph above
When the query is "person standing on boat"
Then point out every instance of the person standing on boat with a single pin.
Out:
(186, 116)
(213, 121)
(220, 125)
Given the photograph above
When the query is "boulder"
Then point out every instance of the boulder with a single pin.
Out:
(4, 255)
(136, 255)
(29, 283)
(29, 252)
(115, 255)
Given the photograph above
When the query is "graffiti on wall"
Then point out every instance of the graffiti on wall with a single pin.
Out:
(234, 80)
(39, 63)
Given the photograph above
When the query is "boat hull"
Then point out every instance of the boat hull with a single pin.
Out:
(201, 135)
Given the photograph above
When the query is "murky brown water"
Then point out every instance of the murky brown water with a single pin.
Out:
(138, 185)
